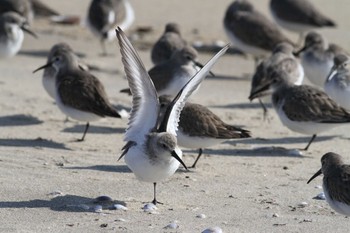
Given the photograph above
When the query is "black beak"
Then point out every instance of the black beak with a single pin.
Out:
(43, 67)
(259, 92)
(299, 52)
(319, 172)
(27, 30)
(200, 65)
(173, 153)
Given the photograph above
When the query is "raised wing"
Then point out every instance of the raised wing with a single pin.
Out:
(145, 105)
(171, 118)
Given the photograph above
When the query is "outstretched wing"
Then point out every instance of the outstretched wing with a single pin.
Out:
(171, 118)
(145, 105)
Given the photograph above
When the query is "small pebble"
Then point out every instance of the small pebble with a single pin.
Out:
(103, 225)
(320, 196)
(302, 204)
(55, 193)
(84, 206)
(318, 187)
(149, 207)
(198, 43)
(120, 220)
(275, 215)
(172, 225)
(98, 209)
(201, 216)
(119, 207)
(213, 230)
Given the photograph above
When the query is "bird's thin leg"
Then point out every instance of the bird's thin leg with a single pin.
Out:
(264, 108)
(200, 151)
(155, 202)
(312, 139)
(85, 131)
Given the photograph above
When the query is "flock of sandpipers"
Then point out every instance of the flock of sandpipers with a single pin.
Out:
(161, 120)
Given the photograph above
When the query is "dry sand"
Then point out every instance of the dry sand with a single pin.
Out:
(237, 187)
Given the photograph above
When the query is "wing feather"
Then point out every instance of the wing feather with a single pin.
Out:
(170, 121)
(145, 105)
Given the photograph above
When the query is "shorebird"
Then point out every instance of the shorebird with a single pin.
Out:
(21, 7)
(170, 76)
(151, 151)
(105, 15)
(200, 128)
(298, 16)
(79, 94)
(49, 76)
(336, 182)
(170, 42)
(337, 85)
(12, 26)
(282, 58)
(250, 31)
(303, 109)
(317, 57)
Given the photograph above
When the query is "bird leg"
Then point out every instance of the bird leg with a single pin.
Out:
(85, 131)
(312, 139)
(264, 108)
(155, 202)
(200, 151)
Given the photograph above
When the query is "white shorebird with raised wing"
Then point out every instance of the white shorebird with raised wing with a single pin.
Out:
(151, 151)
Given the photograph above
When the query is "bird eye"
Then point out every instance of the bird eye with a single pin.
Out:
(164, 146)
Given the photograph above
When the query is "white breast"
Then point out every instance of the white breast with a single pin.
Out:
(336, 205)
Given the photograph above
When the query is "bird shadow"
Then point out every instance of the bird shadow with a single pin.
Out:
(282, 140)
(19, 120)
(104, 168)
(65, 203)
(246, 105)
(38, 142)
(258, 152)
(94, 129)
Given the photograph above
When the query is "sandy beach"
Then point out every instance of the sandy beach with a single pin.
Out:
(252, 185)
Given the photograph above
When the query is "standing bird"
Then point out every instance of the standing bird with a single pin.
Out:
(21, 7)
(170, 42)
(199, 127)
(250, 31)
(12, 26)
(151, 151)
(337, 85)
(303, 109)
(282, 58)
(336, 182)
(105, 15)
(298, 16)
(79, 94)
(317, 57)
(49, 76)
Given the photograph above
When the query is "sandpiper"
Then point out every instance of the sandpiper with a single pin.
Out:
(21, 7)
(170, 42)
(250, 31)
(200, 128)
(170, 76)
(298, 16)
(12, 26)
(105, 15)
(317, 57)
(79, 94)
(151, 151)
(282, 58)
(303, 109)
(336, 182)
(337, 85)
